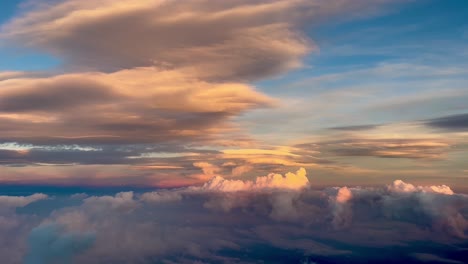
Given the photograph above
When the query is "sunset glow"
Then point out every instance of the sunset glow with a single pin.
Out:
(234, 131)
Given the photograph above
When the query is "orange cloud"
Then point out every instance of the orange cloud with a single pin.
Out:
(124, 106)
(290, 181)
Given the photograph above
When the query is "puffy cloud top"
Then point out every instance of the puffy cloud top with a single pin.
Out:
(290, 181)
(401, 186)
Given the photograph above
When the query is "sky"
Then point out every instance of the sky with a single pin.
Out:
(314, 118)
(116, 93)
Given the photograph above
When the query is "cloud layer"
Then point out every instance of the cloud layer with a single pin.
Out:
(216, 225)
(123, 107)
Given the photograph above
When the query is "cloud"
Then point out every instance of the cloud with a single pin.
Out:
(428, 258)
(159, 197)
(270, 157)
(237, 40)
(122, 201)
(401, 186)
(438, 202)
(242, 169)
(342, 211)
(168, 73)
(291, 181)
(413, 148)
(5, 75)
(50, 244)
(452, 123)
(21, 201)
(343, 195)
(122, 107)
(207, 168)
(355, 128)
(333, 223)
(48, 94)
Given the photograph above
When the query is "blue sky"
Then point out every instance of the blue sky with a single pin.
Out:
(15, 59)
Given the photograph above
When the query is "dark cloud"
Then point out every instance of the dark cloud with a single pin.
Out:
(355, 128)
(383, 148)
(132, 106)
(52, 96)
(453, 123)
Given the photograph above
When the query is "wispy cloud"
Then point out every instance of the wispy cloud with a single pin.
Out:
(451, 123)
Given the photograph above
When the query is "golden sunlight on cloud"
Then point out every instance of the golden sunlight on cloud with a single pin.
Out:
(344, 195)
(291, 181)
(128, 104)
(10, 74)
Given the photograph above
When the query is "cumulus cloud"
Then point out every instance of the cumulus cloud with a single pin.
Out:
(292, 181)
(342, 212)
(215, 226)
(401, 186)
